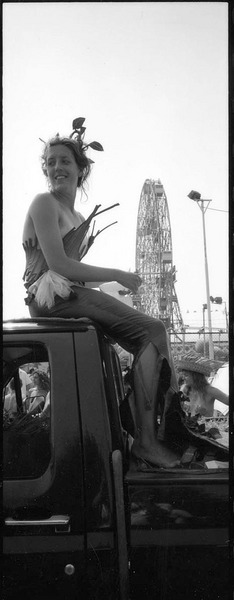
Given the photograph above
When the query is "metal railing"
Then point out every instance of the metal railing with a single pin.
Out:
(184, 341)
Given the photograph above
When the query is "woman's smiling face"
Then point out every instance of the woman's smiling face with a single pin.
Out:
(62, 169)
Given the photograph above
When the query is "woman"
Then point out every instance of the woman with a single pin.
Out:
(10, 404)
(39, 392)
(198, 392)
(59, 285)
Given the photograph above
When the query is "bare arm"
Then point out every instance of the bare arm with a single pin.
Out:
(45, 217)
(218, 395)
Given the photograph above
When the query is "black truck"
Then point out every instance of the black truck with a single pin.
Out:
(81, 521)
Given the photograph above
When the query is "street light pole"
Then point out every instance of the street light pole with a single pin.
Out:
(226, 315)
(200, 201)
(204, 209)
(204, 306)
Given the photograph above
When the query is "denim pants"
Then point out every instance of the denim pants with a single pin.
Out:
(131, 329)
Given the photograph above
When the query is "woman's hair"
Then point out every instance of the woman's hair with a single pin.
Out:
(76, 147)
(180, 380)
(44, 379)
(199, 380)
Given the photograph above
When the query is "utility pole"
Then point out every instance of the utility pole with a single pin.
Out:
(201, 203)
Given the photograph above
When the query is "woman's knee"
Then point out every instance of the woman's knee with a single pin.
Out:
(158, 328)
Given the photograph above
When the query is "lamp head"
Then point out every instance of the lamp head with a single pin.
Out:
(194, 195)
(217, 300)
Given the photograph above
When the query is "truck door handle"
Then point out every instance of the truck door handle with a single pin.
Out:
(60, 522)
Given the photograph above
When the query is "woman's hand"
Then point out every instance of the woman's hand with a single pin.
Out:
(131, 281)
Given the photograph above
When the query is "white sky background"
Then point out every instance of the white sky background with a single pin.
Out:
(151, 79)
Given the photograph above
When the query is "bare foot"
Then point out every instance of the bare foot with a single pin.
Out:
(157, 454)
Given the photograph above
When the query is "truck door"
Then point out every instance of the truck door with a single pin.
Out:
(44, 527)
(107, 561)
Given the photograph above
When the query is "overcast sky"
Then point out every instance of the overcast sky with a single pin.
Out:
(151, 79)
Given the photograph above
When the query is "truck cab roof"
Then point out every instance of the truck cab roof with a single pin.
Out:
(48, 324)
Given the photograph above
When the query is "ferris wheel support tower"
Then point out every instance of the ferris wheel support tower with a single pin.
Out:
(157, 296)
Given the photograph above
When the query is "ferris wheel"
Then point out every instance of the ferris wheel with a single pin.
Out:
(157, 296)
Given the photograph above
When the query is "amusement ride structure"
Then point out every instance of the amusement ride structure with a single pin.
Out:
(157, 296)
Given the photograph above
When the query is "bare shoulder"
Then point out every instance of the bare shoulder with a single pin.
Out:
(43, 202)
(210, 390)
(217, 393)
(42, 211)
(42, 198)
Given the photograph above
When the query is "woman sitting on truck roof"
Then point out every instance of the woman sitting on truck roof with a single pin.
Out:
(59, 285)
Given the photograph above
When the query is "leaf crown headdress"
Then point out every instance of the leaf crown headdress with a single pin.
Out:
(78, 136)
(76, 143)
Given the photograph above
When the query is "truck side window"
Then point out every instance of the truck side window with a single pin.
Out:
(26, 412)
